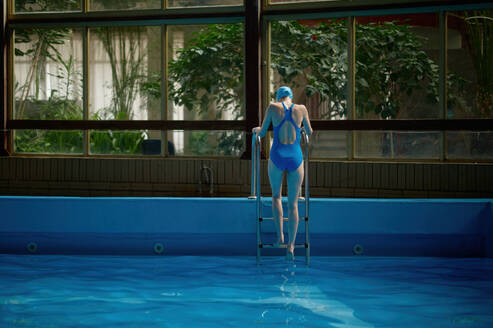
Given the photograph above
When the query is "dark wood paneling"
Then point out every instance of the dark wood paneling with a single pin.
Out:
(393, 175)
(436, 177)
(155, 171)
(418, 176)
(179, 176)
(410, 177)
(401, 176)
(328, 174)
(452, 177)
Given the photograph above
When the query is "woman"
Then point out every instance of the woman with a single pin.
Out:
(285, 155)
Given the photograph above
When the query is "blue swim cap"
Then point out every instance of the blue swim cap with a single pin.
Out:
(284, 92)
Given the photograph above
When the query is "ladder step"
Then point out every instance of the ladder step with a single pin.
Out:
(281, 246)
(284, 219)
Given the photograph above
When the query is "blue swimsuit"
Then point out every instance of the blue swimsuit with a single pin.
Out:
(287, 157)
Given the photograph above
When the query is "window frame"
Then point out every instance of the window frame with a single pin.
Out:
(256, 16)
(88, 20)
(443, 125)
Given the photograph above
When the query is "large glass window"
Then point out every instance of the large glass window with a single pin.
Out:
(203, 3)
(311, 57)
(206, 79)
(135, 142)
(206, 143)
(48, 74)
(206, 82)
(329, 144)
(397, 70)
(295, 1)
(124, 73)
(397, 144)
(397, 77)
(48, 86)
(124, 4)
(470, 62)
(48, 141)
(465, 144)
(42, 6)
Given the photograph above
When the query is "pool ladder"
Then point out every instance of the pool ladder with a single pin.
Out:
(255, 194)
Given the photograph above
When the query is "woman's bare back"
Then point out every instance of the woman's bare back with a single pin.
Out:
(287, 132)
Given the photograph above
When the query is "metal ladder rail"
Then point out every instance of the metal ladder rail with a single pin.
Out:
(307, 197)
(255, 194)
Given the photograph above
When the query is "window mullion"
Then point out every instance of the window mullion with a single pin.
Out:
(85, 86)
(351, 97)
(164, 87)
(4, 71)
(253, 69)
(442, 92)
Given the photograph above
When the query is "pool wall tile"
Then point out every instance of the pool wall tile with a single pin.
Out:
(128, 225)
(488, 231)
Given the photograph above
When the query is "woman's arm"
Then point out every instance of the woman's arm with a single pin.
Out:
(261, 131)
(306, 122)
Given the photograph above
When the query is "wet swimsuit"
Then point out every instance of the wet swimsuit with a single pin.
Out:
(287, 157)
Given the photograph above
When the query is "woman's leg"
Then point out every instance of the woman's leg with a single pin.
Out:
(275, 178)
(295, 179)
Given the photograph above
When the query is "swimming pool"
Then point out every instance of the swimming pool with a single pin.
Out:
(194, 291)
(450, 287)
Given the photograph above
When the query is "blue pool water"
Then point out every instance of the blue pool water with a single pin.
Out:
(190, 291)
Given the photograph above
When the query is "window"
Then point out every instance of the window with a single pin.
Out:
(47, 86)
(202, 3)
(168, 77)
(121, 142)
(398, 71)
(47, 74)
(122, 75)
(205, 70)
(470, 81)
(122, 62)
(397, 77)
(124, 4)
(42, 6)
(311, 57)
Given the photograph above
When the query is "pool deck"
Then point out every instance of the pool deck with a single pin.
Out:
(227, 226)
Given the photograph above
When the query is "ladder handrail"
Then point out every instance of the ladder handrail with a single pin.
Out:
(307, 196)
(254, 167)
(306, 163)
(257, 174)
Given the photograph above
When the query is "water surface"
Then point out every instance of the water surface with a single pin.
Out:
(161, 291)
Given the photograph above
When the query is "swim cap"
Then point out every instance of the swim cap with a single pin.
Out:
(284, 92)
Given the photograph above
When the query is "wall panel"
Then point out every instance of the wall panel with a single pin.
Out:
(180, 177)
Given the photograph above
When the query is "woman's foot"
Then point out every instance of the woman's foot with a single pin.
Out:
(290, 252)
